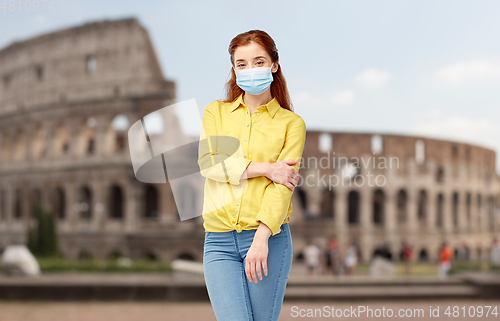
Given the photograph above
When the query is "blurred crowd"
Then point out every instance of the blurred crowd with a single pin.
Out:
(335, 260)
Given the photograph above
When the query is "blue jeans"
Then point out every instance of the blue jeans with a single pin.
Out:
(233, 296)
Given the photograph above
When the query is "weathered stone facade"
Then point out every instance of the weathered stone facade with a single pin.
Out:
(67, 98)
(427, 191)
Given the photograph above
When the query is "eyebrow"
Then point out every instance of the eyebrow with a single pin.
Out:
(258, 57)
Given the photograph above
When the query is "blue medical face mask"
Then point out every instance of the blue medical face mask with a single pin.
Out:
(254, 80)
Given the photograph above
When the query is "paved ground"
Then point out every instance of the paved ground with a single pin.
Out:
(22, 311)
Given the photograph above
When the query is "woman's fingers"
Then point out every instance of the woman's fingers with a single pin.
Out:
(247, 271)
(252, 272)
(249, 266)
(259, 271)
(264, 266)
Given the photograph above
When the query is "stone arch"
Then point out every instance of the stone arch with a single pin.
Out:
(422, 207)
(440, 210)
(420, 151)
(20, 146)
(353, 207)
(116, 133)
(377, 144)
(87, 137)
(325, 142)
(401, 207)
(59, 202)
(479, 205)
(85, 202)
(4, 148)
(440, 175)
(187, 202)
(302, 196)
(491, 213)
(91, 64)
(38, 144)
(454, 208)
(61, 139)
(36, 200)
(18, 210)
(468, 208)
(151, 205)
(116, 202)
(378, 205)
(327, 203)
(3, 207)
(85, 254)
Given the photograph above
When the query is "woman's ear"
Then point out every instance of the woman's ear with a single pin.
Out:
(275, 66)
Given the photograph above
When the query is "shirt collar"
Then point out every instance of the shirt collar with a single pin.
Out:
(272, 107)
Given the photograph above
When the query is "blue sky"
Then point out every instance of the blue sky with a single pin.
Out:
(429, 68)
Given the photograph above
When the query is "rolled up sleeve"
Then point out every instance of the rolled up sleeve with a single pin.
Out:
(220, 158)
(277, 196)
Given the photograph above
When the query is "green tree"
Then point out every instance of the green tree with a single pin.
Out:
(42, 237)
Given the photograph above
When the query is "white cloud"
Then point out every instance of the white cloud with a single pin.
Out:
(480, 131)
(372, 78)
(42, 19)
(303, 98)
(335, 99)
(342, 98)
(463, 72)
(428, 115)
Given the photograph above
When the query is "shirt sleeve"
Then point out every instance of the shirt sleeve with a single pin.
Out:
(219, 158)
(277, 196)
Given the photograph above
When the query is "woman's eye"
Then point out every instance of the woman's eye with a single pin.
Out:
(260, 62)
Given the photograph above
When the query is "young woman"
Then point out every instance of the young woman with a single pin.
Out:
(250, 151)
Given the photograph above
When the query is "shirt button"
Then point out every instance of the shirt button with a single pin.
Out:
(245, 139)
(237, 203)
(245, 156)
(241, 186)
(248, 125)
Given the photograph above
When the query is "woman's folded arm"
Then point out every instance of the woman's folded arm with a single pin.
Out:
(277, 196)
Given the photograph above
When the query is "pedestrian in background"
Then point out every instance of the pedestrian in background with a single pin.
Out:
(495, 253)
(332, 257)
(350, 258)
(445, 256)
(312, 257)
(407, 256)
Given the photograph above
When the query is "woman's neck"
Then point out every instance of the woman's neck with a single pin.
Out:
(253, 102)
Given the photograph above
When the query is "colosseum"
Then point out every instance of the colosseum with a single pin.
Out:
(67, 99)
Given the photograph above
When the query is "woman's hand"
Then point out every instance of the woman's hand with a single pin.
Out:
(257, 257)
(283, 173)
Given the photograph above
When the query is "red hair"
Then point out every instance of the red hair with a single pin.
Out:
(279, 89)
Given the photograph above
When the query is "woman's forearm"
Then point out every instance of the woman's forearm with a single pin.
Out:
(256, 169)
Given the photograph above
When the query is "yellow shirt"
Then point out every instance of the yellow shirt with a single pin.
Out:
(271, 134)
